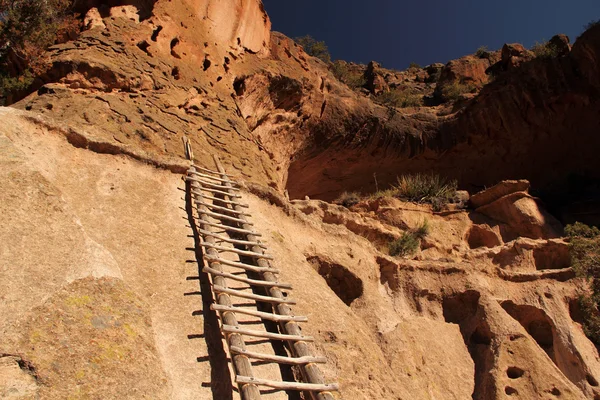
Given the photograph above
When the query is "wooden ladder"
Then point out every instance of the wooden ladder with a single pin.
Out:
(224, 230)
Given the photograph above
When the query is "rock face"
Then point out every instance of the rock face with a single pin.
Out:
(100, 299)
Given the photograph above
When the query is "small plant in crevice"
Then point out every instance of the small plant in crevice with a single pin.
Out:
(314, 48)
(400, 98)
(584, 244)
(410, 241)
(354, 79)
(348, 199)
(455, 90)
(425, 188)
(545, 50)
(482, 52)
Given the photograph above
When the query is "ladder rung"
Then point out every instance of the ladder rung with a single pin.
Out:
(252, 296)
(237, 196)
(211, 184)
(237, 251)
(212, 177)
(222, 216)
(210, 171)
(229, 228)
(254, 282)
(264, 334)
(235, 203)
(229, 210)
(311, 387)
(229, 240)
(278, 359)
(259, 314)
(247, 267)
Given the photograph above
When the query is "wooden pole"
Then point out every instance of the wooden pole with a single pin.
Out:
(311, 372)
(241, 363)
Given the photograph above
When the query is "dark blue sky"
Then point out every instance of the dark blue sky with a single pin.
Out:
(395, 32)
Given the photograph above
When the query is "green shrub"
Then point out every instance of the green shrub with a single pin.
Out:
(27, 29)
(422, 230)
(314, 48)
(424, 188)
(409, 242)
(414, 65)
(482, 52)
(400, 98)
(544, 50)
(584, 246)
(406, 245)
(348, 199)
(345, 75)
(579, 229)
(454, 91)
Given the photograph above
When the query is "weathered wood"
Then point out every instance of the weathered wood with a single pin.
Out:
(235, 203)
(236, 264)
(260, 314)
(233, 241)
(196, 173)
(251, 296)
(214, 191)
(237, 251)
(229, 228)
(210, 171)
(253, 282)
(206, 184)
(289, 385)
(229, 210)
(241, 363)
(278, 359)
(310, 372)
(220, 216)
(265, 334)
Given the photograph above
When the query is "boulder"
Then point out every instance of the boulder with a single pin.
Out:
(468, 69)
(93, 19)
(497, 191)
(561, 44)
(127, 12)
(433, 72)
(375, 81)
(520, 215)
(514, 54)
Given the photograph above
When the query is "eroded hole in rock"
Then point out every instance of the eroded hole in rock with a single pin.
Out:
(286, 93)
(145, 8)
(554, 255)
(482, 236)
(144, 45)
(514, 372)
(591, 380)
(155, 33)
(388, 273)
(174, 44)
(347, 286)
(206, 64)
(543, 330)
(219, 78)
(510, 390)
(239, 85)
(465, 310)
(536, 322)
(555, 392)
(175, 73)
